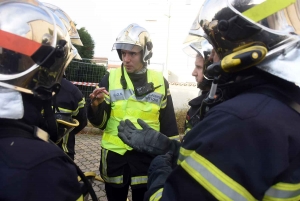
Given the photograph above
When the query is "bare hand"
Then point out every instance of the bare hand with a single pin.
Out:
(97, 96)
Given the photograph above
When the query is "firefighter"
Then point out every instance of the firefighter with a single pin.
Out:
(69, 101)
(246, 147)
(201, 50)
(34, 50)
(130, 92)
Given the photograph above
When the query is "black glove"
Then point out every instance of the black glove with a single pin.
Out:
(146, 140)
(159, 170)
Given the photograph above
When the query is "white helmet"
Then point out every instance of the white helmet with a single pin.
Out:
(70, 26)
(34, 48)
(268, 28)
(200, 46)
(68, 22)
(134, 37)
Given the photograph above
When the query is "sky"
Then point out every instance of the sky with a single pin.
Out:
(100, 18)
(167, 21)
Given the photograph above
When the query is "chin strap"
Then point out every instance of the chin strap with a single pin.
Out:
(51, 125)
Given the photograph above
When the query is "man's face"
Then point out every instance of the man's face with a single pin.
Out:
(132, 61)
(198, 70)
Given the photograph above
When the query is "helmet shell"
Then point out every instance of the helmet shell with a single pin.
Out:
(34, 48)
(134, 38)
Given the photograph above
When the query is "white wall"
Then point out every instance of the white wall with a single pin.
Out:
(181, 95)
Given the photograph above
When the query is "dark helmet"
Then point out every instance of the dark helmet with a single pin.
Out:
(244, 36)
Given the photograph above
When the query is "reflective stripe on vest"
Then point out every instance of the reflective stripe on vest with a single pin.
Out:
(283, 192)
(125, 105)
(157, 195)
(115, 180)
(221, 186)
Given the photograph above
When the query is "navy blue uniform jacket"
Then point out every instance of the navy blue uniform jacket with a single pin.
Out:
(241, 148)
(35, 170)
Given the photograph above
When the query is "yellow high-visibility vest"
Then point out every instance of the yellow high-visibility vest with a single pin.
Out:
(125, 105)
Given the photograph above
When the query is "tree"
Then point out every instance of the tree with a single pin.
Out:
(87, 50)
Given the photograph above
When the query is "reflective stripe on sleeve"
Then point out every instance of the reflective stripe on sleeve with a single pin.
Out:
(283, 192)
(139, 180)
(107, 99)
(183, 153)
(157, 195)
(163, 103)
(81, 103)
(168, 92)
(221, 186)
(175, 137)
(103, 121)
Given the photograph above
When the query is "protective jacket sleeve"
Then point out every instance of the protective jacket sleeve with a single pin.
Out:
(100, 117)
(71, 100)
(237, 153)
(168, 124)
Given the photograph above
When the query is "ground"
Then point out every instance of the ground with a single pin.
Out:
(87, 157)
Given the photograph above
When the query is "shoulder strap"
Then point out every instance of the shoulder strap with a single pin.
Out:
(14, 128)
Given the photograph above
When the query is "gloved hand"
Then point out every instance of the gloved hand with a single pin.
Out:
(159, 170)
(146, 140)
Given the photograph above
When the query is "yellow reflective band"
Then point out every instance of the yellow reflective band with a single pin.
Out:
(187, 130)
(107, 99)
(157, 195)
(117, 179)
(81, 103)
(183, 153)
(104, 119)
(80, 198)
(163, 103)
(139, 180)
(283, 192)
(266, 9)
(168, 92)
(221, 186)
(64, 144)
(175, 137)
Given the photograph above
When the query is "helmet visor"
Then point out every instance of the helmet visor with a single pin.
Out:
(126, 46)
(34, 47)
(201, 47)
